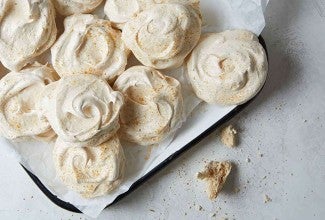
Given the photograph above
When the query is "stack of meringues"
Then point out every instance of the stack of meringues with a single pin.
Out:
(85, 100)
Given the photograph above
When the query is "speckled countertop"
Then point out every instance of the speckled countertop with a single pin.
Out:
(281, 152)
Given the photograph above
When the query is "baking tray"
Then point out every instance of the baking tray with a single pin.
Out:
(138, 183)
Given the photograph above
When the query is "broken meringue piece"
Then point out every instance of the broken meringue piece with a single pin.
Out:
(215, 174)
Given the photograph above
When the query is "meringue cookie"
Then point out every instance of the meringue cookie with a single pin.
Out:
(120, 11)
(27, 29)
(69, 7)
(228, 68)
(82, 109)
(90, 171)
(20, 117)
(89, 45)
(162, 36)
(153, 105)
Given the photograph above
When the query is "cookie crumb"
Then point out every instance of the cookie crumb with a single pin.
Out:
(200, 208)
(215, 174)
(228, 136)
(267, 198)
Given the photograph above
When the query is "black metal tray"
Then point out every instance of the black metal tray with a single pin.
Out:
(135, 185)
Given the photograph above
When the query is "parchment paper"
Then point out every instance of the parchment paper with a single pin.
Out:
(219, 15)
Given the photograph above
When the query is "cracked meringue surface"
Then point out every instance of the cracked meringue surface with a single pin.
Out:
(227, 68)
(153, 105)
(27, 29)
(162, 36)
(82, 109)
(90, 46)
(69, 7)
(91, 171)
(20, 115)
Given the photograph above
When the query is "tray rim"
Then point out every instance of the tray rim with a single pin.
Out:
(69, 207)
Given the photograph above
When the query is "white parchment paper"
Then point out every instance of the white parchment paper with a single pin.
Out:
(219, 15)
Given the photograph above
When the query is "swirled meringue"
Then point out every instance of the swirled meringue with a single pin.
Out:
(82, 109)
(90, 171)
(69, 7)
(27, 29)
(20, 117)
(228, 68)
(153, 105)
(162, 36)
(120, 11)
(89, 45)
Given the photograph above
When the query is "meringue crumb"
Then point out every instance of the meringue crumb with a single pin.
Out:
(228, 136)
(267, 198)
(215, 174)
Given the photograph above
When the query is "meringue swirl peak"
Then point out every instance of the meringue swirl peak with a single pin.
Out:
(153, 105)
(162, 36)
(227, 68)
(89, 46)
(82, 109)
(91, 171)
